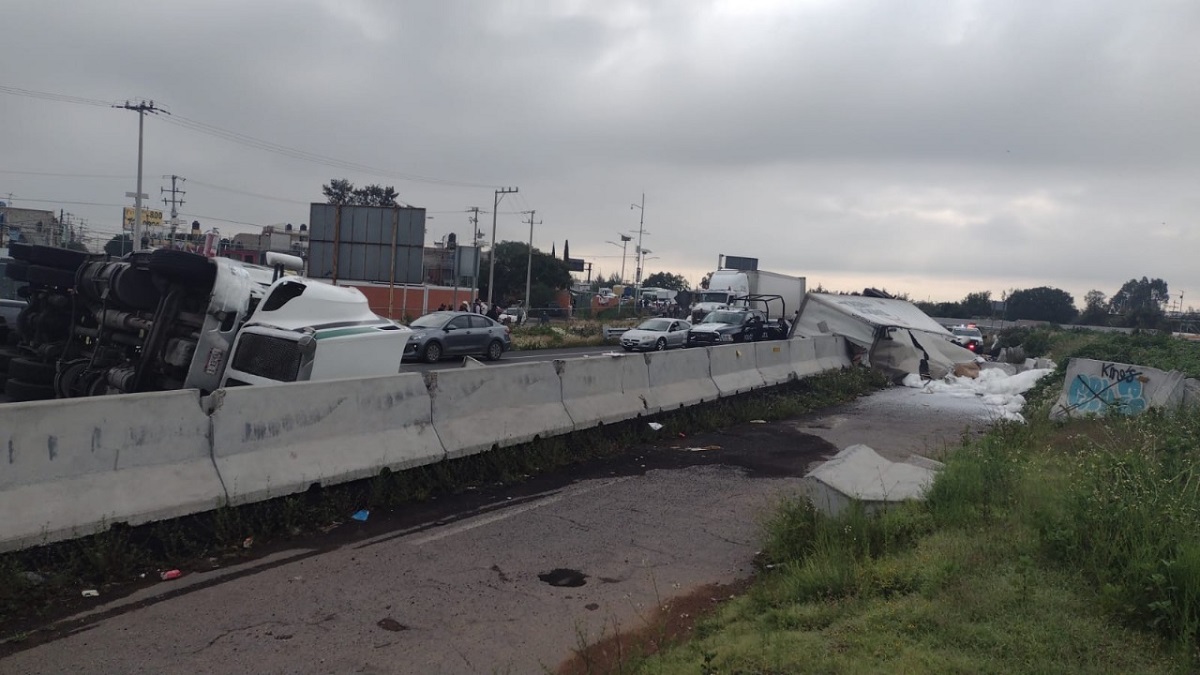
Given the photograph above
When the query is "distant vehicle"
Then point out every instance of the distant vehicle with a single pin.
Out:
(513, 316)
(456, 334)
(656, 335)
(968, 336)
(726, 285)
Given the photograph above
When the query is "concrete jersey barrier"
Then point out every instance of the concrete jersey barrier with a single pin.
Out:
(734, 369)
(278, 440)
(604, 389)
(1100, 387)
(72, 468)
(679, 378)
(804, 357)
(831, 352)
(774, 361)
(475, 409)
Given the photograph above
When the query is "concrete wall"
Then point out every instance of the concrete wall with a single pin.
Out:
(74, 467)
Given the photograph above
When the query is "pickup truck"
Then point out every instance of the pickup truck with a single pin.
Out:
(167, 319)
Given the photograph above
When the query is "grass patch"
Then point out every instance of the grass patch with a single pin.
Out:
(1042, 548)
(40, 582)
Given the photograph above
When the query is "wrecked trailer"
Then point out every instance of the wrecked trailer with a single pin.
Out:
(890, 335)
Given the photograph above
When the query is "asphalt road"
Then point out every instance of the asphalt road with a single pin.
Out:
(509, 580)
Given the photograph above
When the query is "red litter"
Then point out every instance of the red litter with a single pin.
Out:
(171, 574)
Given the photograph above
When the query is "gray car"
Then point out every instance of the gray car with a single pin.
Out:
(456, 334)
(656, 334)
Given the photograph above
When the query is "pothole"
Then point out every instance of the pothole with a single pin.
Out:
(564, 578)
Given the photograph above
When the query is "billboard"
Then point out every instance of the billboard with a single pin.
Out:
(366, 243)
(575, 264)
(149, 217)
(737, 262)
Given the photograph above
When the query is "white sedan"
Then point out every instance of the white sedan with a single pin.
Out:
(656, 335)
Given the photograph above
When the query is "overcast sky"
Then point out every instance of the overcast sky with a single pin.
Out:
(933, 148)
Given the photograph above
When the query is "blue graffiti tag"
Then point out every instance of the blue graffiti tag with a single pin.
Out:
(1118, 389)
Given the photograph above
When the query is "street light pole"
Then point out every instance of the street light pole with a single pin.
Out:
(637, 281)
(492, 255)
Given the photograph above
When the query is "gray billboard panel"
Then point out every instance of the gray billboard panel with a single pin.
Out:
(364, 236)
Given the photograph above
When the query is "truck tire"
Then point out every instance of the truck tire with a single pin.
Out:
(58, 258)
(33, 372)
(23, 391)
(183, 267)
(17, 270)
(51, 276)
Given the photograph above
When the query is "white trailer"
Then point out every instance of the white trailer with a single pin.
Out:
(727, 284)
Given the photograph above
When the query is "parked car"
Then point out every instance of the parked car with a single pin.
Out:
(456, 334)
(725, 326)
(656, 334)
(513, 316)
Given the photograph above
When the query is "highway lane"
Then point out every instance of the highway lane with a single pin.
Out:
(466, 587)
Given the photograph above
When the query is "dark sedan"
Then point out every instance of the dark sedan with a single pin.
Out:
(456, 334)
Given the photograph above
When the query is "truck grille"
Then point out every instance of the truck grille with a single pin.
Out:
(266, 356)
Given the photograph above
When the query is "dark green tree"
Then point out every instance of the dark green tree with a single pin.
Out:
(549, 273)
(674, 282)
(977, 305)
(1095, 309)
(1040, 304)
(339, 191)
(119, 245)
(1140, 303)
(375, 195)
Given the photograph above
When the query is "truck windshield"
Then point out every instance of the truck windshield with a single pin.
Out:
(713, 296)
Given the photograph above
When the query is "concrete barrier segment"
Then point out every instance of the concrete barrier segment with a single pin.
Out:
(604, 389)
(774, 361)
(1103, 387)
(832, 353)
(72, 468)
(734, 369)
(680, 378)
(278, 440)
(804, 357)
(475, 409)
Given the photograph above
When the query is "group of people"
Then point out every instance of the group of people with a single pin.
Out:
(478, 307)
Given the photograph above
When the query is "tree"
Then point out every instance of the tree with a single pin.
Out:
(977, 305)
(339, 191)
(119, 245)
(1140, 303)
(1040, 304)
(1095, 309)
(375, 195)
(674, 282)
(549, 274)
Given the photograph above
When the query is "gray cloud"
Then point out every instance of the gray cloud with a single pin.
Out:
(951, 147)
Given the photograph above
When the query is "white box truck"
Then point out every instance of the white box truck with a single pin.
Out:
(726, 284)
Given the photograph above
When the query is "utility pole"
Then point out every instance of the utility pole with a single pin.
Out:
(492, 256)
(637, 281)
(141, 109)
(529, 262)
(174, 201)
(474, 211)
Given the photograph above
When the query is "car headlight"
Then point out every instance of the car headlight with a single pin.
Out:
(417, 336)
(726, 337)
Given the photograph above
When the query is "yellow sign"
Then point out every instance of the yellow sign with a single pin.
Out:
(149, 217)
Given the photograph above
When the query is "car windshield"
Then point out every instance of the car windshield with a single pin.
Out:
(655, 325)
(968, 332)
(713, 296)
(724, 317)
(435, 320)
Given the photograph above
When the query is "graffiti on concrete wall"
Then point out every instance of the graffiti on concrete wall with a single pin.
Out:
(1117, 388)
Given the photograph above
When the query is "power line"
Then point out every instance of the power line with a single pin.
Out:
(250, 141)
(65, 175)
(248, 194)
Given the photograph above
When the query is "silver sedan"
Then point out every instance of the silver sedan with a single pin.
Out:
(656, 335)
